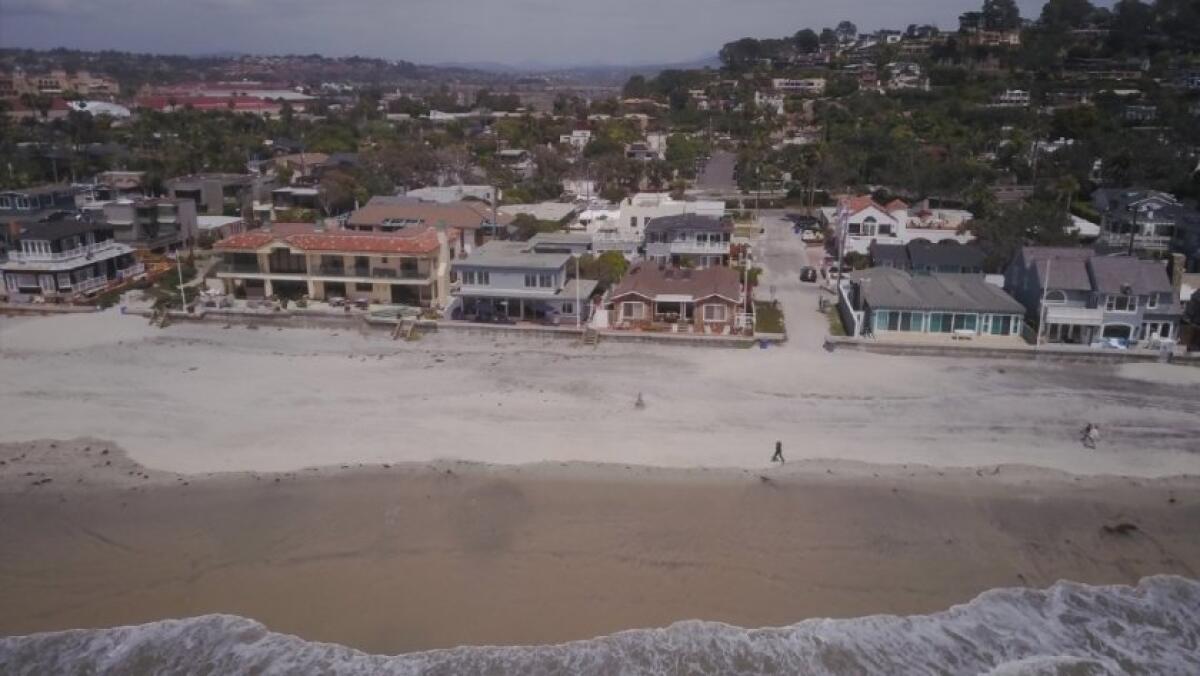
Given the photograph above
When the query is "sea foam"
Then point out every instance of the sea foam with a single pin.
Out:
(1069, 629)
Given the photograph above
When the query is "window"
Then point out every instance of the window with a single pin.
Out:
(645, 220)
(1056, 297)
(22, 203)
(1121, 303)
(531, 281)
(1001, 325)
(5, 202)
(853, 228)
(715, 313)
(546, 281)
(468, 277)
(485, 278)
(912, 321)
(1152, 301)
(568, 308)
(965, 322)
(633, 221)
(362, 286)
(475, 277)
(632, 310)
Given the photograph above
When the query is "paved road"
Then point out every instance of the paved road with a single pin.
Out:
(718, 172)
(781, 254)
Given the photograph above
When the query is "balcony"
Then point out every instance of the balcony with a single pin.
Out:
(88, 251)
(90, 285)
(1067, 314)
(692, 247)
(1140, 241)
(132, 272)
(235, 266)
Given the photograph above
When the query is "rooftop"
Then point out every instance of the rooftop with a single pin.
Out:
(891, 289)
(689, 221)
(423, 242)
(652, 281)
(509, 254)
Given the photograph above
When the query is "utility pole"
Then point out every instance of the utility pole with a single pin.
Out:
(842, 218)
(1133, 230)
(1042, 314)
(179, 267)
(578, 306)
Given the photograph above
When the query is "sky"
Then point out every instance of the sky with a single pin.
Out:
(515, 32)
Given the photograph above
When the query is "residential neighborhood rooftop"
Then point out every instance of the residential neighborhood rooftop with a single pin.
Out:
(895, 289)
(651, 281)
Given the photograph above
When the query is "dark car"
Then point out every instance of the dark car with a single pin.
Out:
(808, 274)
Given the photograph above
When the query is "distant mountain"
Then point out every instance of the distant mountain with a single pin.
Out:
(584, 73)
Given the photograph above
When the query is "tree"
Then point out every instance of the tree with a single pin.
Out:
(806, 41)
(608, 268)
(846, 31)
(1001, 15)
(1001, 234)
(828, 38)
(636, 88)
(1063, 15)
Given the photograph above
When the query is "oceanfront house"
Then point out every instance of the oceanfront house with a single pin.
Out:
(295, 260)
(863, 221)
(295, 197)
(1142, 220)
(510, 281)
(468, 224)
(885, 302)
(155, 225)
(215, 194)
(922, 257)
(689, 239)
(1079, 297)
(656, 297)
(66, 261)
(30, 205)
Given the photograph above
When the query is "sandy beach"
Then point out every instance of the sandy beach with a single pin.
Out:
(200, 398)
(404, 557)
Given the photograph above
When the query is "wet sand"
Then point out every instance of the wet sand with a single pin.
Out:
(405, 557)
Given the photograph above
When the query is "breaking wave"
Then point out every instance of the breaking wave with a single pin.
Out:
(1067, 630)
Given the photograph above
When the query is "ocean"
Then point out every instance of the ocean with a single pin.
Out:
(1068, 629)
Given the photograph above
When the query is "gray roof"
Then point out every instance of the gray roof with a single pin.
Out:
(1114, 274)
(891, 289)
(947, 252)
(1066, 274)
(561, 239)
(689, 221)
(58, 229)
(517, 255)
(889, 255)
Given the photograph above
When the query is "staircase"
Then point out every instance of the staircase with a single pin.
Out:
(591, 337)
(405, 329)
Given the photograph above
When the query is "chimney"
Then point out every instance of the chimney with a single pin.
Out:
(1175, 270)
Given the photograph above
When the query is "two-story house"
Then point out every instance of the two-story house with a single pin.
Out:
(656, 296)
(1141, 220)
(860, 221)
(156, 224)
(294, 260)
(511, 281)
(691, 239)
(24, 206)
(623, 228)
(216, 194)
(1079, 297)
(66, 260)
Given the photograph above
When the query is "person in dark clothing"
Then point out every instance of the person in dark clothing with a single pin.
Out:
(778, 457)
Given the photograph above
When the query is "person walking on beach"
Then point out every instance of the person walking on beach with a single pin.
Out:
(778, 457)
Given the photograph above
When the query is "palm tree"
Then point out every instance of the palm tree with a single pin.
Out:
(1067, 187)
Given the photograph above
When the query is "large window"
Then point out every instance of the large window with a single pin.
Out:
(1152, 301)
(632, 310)
(475, 278)
(716, 313)
(1056, 297)
(1121, 303)
(546, 281)
(965, 322)
(1002, 325)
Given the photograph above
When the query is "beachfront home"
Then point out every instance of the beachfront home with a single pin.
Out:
(66, 260)
(154, 224)
(863, 220)
(660, 297)
(510, 281)
(1079, 297)
(301, 259)
(885, 301)
(689, 239)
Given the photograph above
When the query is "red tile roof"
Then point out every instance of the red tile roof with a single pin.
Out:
(896, 205)
(423, 242)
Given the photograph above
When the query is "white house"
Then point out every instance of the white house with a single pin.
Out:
(577, 139)
(772, 102)
(866, 221)
(814, 86)
(622, 227)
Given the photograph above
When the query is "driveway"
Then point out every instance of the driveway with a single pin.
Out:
(781, 254)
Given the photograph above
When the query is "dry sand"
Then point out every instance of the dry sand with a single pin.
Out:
(428, 555)
(199, 398)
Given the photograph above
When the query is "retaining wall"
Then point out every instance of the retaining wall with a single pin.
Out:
(1029, 353)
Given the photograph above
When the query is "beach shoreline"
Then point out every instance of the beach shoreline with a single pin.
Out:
(391, 558)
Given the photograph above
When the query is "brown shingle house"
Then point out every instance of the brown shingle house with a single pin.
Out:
(708, 300)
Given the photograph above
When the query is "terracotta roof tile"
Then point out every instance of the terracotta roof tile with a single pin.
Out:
(423, 242)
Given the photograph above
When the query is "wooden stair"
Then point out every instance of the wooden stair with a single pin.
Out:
(406, 329)
(591, 337)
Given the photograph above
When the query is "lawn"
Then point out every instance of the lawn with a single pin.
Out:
(768, 317)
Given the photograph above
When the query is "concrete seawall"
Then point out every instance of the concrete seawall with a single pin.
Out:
(833, 343)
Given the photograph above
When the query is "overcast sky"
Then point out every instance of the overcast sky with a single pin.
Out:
(560, 32)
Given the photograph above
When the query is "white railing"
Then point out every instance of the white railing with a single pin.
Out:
(135, 270)
(87, 285)
(686, 247)
(51, 256)
(1067, 314)
(1139, 240)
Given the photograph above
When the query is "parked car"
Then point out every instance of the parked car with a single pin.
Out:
(812, 236)
(808, 274)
